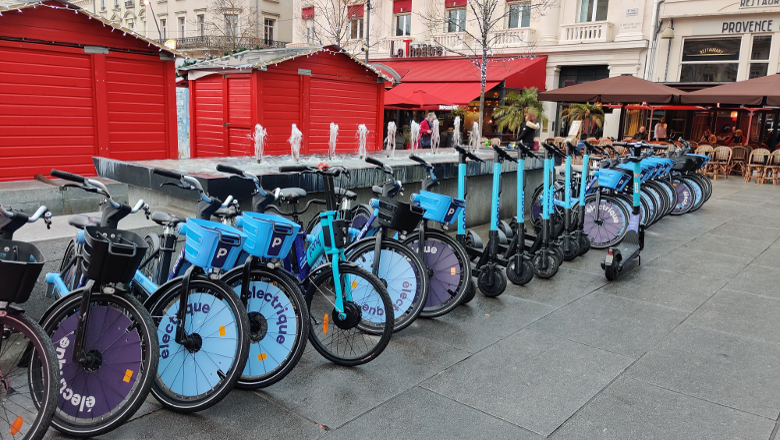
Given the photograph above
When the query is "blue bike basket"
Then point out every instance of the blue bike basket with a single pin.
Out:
(440, 208)
(211, 244)
(611, 179)
(269, 236)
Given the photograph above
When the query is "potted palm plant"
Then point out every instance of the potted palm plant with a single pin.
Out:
(514, 106)
(593, 113)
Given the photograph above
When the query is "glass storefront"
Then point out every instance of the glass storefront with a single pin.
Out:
(710, 60)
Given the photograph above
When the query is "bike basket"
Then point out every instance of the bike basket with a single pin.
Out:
(399, 216)
(20, 265)
(211, 244)
(111, 255)
(340, 234)
(269, 236)
(440, 208)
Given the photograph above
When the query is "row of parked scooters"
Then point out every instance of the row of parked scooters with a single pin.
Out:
(235, 304)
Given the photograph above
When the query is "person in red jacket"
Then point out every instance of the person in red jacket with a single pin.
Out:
(426, 130)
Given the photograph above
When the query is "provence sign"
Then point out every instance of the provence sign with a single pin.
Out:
(758, 3)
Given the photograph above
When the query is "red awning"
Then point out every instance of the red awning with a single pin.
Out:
(307, 13)
(400, 6)
(355, 11)
(519, 73)
(454, 3)
(459, 93)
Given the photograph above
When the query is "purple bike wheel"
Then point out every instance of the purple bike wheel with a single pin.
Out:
(685, 197)
(445, 271)
(611, 226)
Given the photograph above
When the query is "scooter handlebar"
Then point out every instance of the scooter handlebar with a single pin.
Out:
(468, 154)
(420, 160)
(503, 154)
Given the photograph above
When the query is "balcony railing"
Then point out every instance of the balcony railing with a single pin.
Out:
(593, 32)
(452, 40)
(396, 43)
(129, 4)
(211, 42)
(513, 37)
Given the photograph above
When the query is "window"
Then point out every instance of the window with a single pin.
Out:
(403, 25)
(116, 4)
(268, 35)
(456, 20)
(130, 25)
(201, 25)
(710, 60)
(519, 15)
(311, 32)
(181, 27)
(102, 5)
(356, 28)
(593, 10)
(164, 28)
(231, 25)
(759, 56)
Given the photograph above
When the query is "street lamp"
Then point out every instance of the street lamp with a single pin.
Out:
(367, 30)
(148, 3)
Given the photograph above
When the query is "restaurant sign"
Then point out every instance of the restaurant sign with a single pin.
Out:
(736, 26)
(758, 3)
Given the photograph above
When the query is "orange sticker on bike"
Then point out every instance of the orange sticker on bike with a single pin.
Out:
(261, 357)
(222, 330)
(16, 426)
(452, 271)
(128, 376)
(354, 284)
(325, 324)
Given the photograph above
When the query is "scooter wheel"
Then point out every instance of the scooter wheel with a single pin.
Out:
(521, 274)
(611, 272)
(558, 252)
(491, 288)
(545, 269)
(584, 244)
(571, 249)
(471, 292)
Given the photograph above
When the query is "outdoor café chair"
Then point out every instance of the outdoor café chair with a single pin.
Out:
(721, 161)
(772, 168)
(756, 163)
(739, 157)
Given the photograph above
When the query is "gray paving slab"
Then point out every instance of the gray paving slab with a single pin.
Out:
(752, 232)
(484, 321)
(630, 409)
(665, 288)
(419, 413)
(333, 395)
(700, 263)
(759, 218)
(532, 379)
(242, 414)
(770, 257)
(740, 313)
(611, 323)
(734, 371)
(729, 245)
(761, 280)
(563, 288)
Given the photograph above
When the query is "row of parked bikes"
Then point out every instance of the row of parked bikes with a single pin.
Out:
(236, 301)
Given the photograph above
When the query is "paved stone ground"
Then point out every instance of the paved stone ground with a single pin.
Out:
(687, 346)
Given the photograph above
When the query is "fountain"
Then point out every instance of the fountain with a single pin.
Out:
(390, 140)
(295, 143)
(474, 137)
(362, 136)
(334, 132)
(435, 136)
(415, 130)
(259, 137)
(456, 136)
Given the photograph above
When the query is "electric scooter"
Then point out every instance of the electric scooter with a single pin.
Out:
(569, 243)
(471, 250)
(579, 234)
(519, 269)
(547, 258)
(621, 256)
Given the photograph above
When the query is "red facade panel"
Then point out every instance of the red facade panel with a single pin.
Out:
(239, 115)
(355, 11)
(357, 105)
(281, 109)
(402, 6)
(208, 122)
(307, 13)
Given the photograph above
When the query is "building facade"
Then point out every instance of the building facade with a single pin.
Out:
(583, 40)
(202, 27)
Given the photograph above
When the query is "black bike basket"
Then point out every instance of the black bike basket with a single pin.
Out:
(399, 216)
(112, 255)
(340, 233)
(20, 265)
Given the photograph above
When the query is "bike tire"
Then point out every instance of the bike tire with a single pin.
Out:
(152, 265)
(449, 271)
(272, 297)
(30, 370)
(684, 197)
(670, 193)
(404, 275)
(116, 318)
(230, 349)
(471, 292)
(602, 237)
(698, 191)
(73, 274)
(369, 294)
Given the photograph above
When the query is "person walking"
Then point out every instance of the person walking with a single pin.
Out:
(426, 130)
(660, 130)
(527, 131)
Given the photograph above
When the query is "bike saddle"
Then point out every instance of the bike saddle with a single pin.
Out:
(291, 195)
(341, 192)
(227, 212)
(165, 219)
(82, 221)
(377, 190)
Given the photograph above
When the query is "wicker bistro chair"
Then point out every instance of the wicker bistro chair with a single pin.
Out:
(772, 168)
(739, 157)
(757, 161)
(721, 162)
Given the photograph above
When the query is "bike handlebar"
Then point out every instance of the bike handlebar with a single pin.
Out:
(167, 173)
(420, 160)
(68, 176)
(294, 169)
(229, 170)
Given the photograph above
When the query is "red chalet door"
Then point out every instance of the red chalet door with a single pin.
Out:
(238, 118)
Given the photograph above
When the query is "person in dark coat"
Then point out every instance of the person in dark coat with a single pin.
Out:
(527, 131)
(641, 135)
